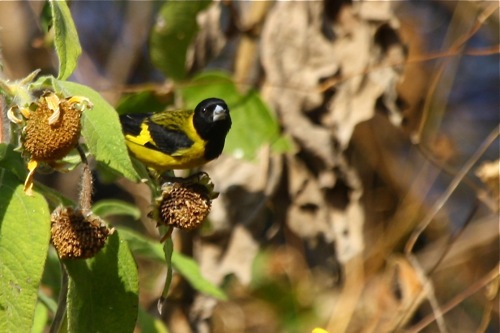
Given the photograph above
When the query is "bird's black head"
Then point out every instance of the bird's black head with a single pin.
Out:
(212, 122)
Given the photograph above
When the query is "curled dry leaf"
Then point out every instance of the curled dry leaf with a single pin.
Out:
(326, 73)
(210, 40)
(321, 86)
(388, 299)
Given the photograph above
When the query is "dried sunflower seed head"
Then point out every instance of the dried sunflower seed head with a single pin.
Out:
(50, 129)
(53, 129)
(184, 206)
(76, 236)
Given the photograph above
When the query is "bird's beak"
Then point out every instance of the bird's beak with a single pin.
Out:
(219, 113)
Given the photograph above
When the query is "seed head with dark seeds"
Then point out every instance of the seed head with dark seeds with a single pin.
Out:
(76, 236)
(50, 129)
(46, 141)
(184, 206)
(184, 202)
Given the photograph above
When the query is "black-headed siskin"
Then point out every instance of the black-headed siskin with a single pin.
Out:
(180, 139)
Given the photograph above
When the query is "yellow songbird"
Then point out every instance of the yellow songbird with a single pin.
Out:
(180, 139)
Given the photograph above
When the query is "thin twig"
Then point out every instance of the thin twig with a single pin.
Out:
(485, 51)
(451, 188)
(86, 184)
(451, 240)
(428, 290)
(483, 326)
(474, 288)
(429, 156)
(55, 327)
(456, 47)
(492, 295)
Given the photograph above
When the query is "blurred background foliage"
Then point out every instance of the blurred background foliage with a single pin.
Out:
(356, 193)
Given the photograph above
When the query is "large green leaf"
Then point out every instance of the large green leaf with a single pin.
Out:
(144, 102)
(190, 269)
(103, 291)
(108, 207)
(142, 246)
(172, 34)
(168, 250)
(51, 280)
(24, 241)
(66, 38)
(102, 131)
(186, 266)
(254, 124)
(149, 323)
(11, 160)
(40, 318)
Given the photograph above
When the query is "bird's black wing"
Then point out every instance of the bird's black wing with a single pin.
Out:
(165, 139)
(131, 123)
(168, 140)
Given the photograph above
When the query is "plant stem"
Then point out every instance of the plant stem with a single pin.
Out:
(61, 302)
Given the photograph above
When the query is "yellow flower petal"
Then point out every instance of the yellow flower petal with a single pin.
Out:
(80, 103)
(53, 104)
(318, 330)
(11, 115)
(25, 112)
(28, 183)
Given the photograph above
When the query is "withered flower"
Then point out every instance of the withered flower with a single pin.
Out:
(184, 203)
(76, 236)
(51, 129)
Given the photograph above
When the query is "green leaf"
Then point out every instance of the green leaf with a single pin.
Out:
(144, 102)
(40, 318)
(24, 241)
(186, 266)
(47, 301)
(168, 250)
(46, 17)
(103, 291)
(142, 246)
(102, 131)
(51, 280)
(66, 38)
(53, 197)
(254, 124)
(11, 160)
(190, 269)
(148, 323)
(104, 208)
(173, 32)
